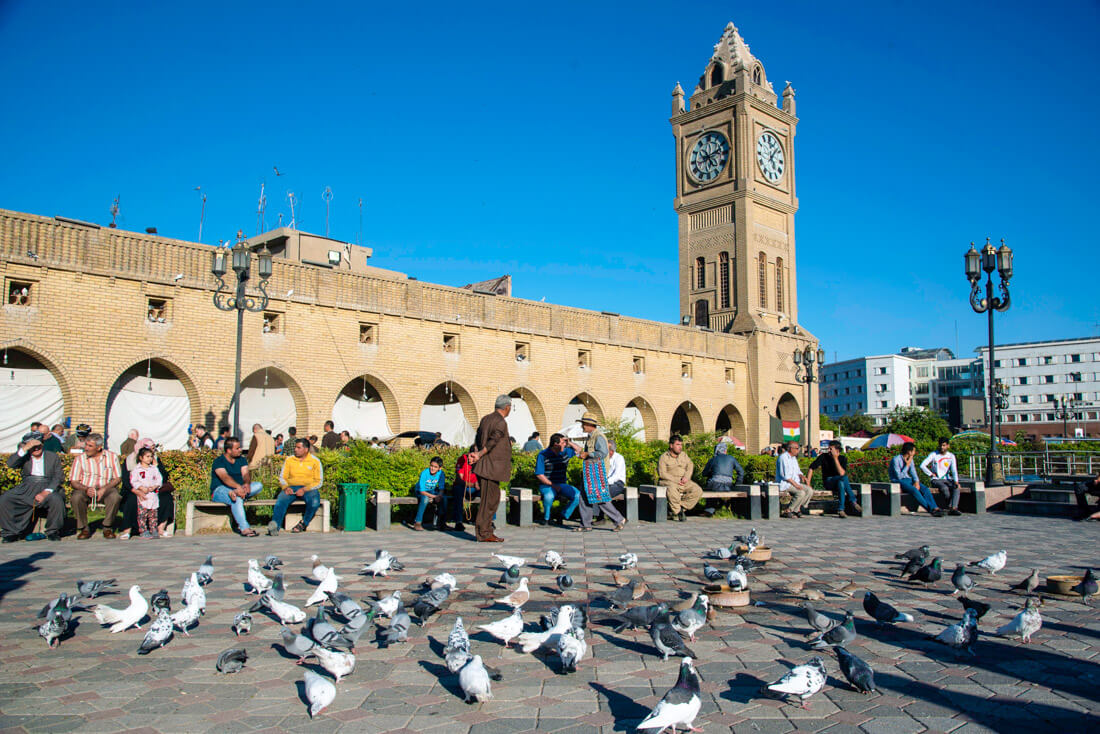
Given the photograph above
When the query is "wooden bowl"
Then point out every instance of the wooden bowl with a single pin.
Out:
(762, 552)
(1063, 584)
(721, 595)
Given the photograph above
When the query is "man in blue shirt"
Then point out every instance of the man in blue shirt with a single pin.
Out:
(430, 489)
(550, 471)
(231, 484)
(904, 472)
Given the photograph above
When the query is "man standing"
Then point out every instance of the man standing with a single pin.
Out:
(533, 444)
(792, 480)
(834, 477)
(492, 462)
(40, 487)
(904, 472)
(550, 471)
(55, 441)
(945, 476)
(202, 439)
(127, 446)
(616, 477)
(301, 480)
(331, 439)
(223, 433)
(95, 476)
(230, 483)
(260, 449)
(291, 439)
(596, 448)
(674, 471)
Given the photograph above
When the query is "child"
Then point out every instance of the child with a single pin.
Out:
(146, 480)
(429, 489)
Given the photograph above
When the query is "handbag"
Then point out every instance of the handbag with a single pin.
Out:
(595, 482)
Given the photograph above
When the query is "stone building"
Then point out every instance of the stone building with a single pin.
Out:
(115, 328)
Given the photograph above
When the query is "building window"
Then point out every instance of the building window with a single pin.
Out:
(639, 365)
(368, 333)
(1048, 360)
(702, 313)
(1023, 399)
(1020, 362)
(700, 272)
(1021, 380)
(756, 75)
(685, 370)
(883, 404)
(1051, 416)
(880, 388)
(881, 370)
(19, 292)
(450, 343)
(1011, 417)
(996, 363)
(729, 375)
(716, 75)
(273, 322)
(779, 284)
(584, 359)
(156, 310)
(763, 265)
(1074, 377)
(523, 352)
(724, 279)
(1073, 358)
(1024, 417)
(1048, 379)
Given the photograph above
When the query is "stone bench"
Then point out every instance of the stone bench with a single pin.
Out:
(659, 496)
(206, 515)
(751, 492)
(383, 501)
(526, 513)
(885, 498)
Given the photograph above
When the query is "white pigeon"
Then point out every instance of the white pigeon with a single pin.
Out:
(736, 579)
(961, 635)
(443, 579)
(285, 611)
(186, 616)
(505, 629)
(256, 579)
(571, 648)
(121, 619)
(319, 692)
(554, 560)
(193, 593)
(457, 650)
(509, 561)
(531, 641)
(993, 563)
(628, 560)
(802, 680)
(474, 679)
(1024, 624)
(517, 598)
(379, 567)
(680, 705)
(320, 570)
(389, 604)
(160, 632)
(336, 662)
(327, 586)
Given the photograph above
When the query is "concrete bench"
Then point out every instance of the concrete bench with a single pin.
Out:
(1070, 479)
(521, 506)
(383, 500)
(885, 498)
(659, 496)
(205, 515)
(972, 496)
(751, 492)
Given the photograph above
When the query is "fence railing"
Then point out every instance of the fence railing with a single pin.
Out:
(1038, 463)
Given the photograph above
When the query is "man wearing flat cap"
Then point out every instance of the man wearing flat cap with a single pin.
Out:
(492, 462)
(40, 487)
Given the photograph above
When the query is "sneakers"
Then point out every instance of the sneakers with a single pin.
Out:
(10, 539)
(124, 535)
(936, 513)
(53, 536)
(682, 517)
(169, 531)
(954, 511)
(273, 528)
(147, 535)
(856, 506)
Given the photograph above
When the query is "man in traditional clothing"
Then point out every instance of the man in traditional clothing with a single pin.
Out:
(492, 462)
(40, 487)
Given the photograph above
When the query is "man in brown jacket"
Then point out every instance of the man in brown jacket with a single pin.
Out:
(674, 474)
(492, 464)
(261, 449)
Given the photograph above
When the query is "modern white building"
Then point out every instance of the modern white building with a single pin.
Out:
(876, 385)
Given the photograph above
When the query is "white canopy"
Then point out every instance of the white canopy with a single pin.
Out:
(520, 423)
(448, 420)
(272, 406)
(26, 395)
(633, 416)
(360, 418)
(158, 408)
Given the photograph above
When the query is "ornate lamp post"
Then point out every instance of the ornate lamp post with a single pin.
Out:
(1067, 408)
(804, 373)
(239, 258)
(1002, 401)
(988, 260)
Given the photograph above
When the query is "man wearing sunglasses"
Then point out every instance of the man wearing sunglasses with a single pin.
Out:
(40, 487)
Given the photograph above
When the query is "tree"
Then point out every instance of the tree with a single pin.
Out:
(920, 424)
(826, 424)
(850, 425)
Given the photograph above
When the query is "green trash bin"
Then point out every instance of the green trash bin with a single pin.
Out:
(352, 516)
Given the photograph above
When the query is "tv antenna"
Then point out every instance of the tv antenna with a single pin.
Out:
(261, 207)
(326, 196)
(202, 211)
(114, 212)
(293, 220)
(359, 237)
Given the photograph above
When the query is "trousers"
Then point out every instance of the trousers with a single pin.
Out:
(283, 502)
(565, 492)
(17, 507)
(800, 496)
(487, 510)
(1082, 491)
(166, 512)
(843, 489)
(920, 493)
(222, 494)
(683, 496)
(949, 488)
(455, 501)
(587, 512)
(79, 501)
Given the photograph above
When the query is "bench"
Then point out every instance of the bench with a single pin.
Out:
(1070, 479)
(205, 515)
(977, 500)
(885, 498)
(526, 512)
(659, 496)
(383, 501)
(751, 492)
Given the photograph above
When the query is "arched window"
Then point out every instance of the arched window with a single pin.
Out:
(756, 75)
(763, 260)
(702, 313)
(724, 280)
(716, 76)
(700, 272)
(779, 284)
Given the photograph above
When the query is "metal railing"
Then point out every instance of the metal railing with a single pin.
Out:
(1038, 463)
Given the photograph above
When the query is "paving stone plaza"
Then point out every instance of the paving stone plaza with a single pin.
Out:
(95, 681)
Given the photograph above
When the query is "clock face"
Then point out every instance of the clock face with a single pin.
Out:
(708, 157)
(769, 154)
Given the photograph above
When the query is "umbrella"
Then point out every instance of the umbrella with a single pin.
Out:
(884, 440)
(734, 440)
(982, 436)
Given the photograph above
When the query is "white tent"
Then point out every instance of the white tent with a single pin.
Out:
(520, 423)
(360, 418)
(448, 420)
(26, 395)
(272, 406)
(570, 425)
(633, 416)
(158, 408)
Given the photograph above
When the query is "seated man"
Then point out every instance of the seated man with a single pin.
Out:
(834, 477)
(95, 476)
(301, 479)
(431, 488)
(1083, 490)
(791, 479)
(723, 470)
(945, 478)
(674, 470)
(550, 471)
(904, 472)
(40, 487)
(230, 485)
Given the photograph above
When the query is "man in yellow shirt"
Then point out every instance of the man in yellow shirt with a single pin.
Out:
(301, 480)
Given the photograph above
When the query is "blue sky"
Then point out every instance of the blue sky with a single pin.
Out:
(534, 140)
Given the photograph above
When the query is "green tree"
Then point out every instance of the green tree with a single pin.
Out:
(920, 424)
(826, 423)
(852, 424)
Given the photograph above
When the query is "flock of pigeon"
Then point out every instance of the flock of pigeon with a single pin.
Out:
(562, 632)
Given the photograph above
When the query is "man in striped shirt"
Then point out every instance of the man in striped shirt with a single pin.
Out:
(95, 475)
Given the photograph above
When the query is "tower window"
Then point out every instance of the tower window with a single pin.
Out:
(779, 284)
(724, 279)
(685, 370)
(702, 313)
(639, 365)
(716, 76)
(19, 292)
(756, 75)
(450, 343)
(156, 310)
(273, 322)
(368, 333)
(584, 359)
(523, 352)
(700, 272)
(763, 259)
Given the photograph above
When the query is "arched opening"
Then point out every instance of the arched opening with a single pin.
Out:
(731, 423)
(787, 408)
(787, 424)
(577, 407)
(702, 312)
(762, 266)
(527, 416)
(449, 410)
(686, 420)
(366, 408)
(640, 414)
(29, 392)
(273, 399)
(700, 272)
(716, 75)
(757, 75)
(153, 397)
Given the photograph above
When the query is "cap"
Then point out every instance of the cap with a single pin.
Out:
(83, 429)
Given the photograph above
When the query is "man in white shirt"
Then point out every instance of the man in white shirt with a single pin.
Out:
(40, 487)
(944, 473)
(792, 480)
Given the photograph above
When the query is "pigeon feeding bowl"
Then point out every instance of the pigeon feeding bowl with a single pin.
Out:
(1063, 584)
(762, 552)
(721, 595)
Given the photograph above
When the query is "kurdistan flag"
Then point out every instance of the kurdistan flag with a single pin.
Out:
(792, 431)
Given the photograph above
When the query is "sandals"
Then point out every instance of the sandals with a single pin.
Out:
(619, 527)
(250, 533)
(300, 528)
(581, 529)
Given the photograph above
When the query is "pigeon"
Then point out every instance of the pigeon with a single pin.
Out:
(573, 613)
(457, 650)
(518, 597)
(430, 602)
(231, 660)
(841, 633)
(272, 563)
(882, 612)
(724, 554)
(817, 620)
(571, 649)
(802, 681)
(751, 541)
(443, 579)
(326, 587)
(356, 626)
(62, 604)
(922, 553)
(380, 567)
(296, 644)
(736, 579)
(628, 560)
(929, 574)
(320, 570)
(257, 582)
(319, 692)
(858, 672)
(667, 640)
(746, 564)
(619, 579)
(161, 600)
(849, 588)
(691, 619)
(980, 608)
(635, 617)
(278, 587)
(993, 563)
(911, 567)
(961, 635)
(193, 594)
(336, 662)
(1024, 624)
(160, 632)
(795, 587)
(344, 605)
(386, 606)
(680, 705)
(510, 577)
(121, 619)
(813, 595)
(187, 616)
(54, 628)
(205, 573)
(285, 611)
(560, 620)
(961, 581)
(1087, 587)
(565, 582)
(242, 624)
(398, 631)
(506, 629)
(322, 631)
(710, 573)
(474, 680)
(92, 589)
(554, 560)
(1028, 585)
(509, 561)
(620, 596)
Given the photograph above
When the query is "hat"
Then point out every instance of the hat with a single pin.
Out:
(590, 418)
(83, 429)
(144, 443)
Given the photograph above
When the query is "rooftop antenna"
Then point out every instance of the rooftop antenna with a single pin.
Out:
(114, 212)
(261, 207)
(202, 211)
(280, 219)
(326, 196)
(293, 221)
(359, 237)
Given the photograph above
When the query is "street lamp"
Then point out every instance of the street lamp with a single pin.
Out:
(1002, 400)
(1065, 405)
(804, 373)
(988, 260)
(239, 258)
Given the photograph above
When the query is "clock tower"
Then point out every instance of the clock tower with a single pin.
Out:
(735, 195)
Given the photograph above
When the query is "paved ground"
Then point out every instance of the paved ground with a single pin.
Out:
(96, 682)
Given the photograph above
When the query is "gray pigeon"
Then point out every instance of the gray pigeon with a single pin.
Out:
(355, 628)
(817, 620)
(54, 628)
(1087, 587)
(159, 633)
(457, 650)
(710, 573)
(688, 621)
(635, 617)
(911, 567)
(206, 571)
(668, 641)
(565, 582)
(242, 624)
(161, 600)
(679, 706)
(431, 602)
(62, 604)
(510, 577)
(841, 634)
(474, 680)
(276, 592)
(271, 563)
(231, 660)
(882, 612)
(322, 632)
(622, 595)
(922, 553)
(344, 605)
(92, 589)
(858, 673)
(961, 636)
(296, 644)
(1028, 585)
(398, 631)
(961, 581)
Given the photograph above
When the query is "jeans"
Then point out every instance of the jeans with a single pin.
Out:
(950, 489)
(423, 499)
(563, 491)
(312, 498)
(453, 503)
(920, 493)
(843, 489)
(221, 494)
